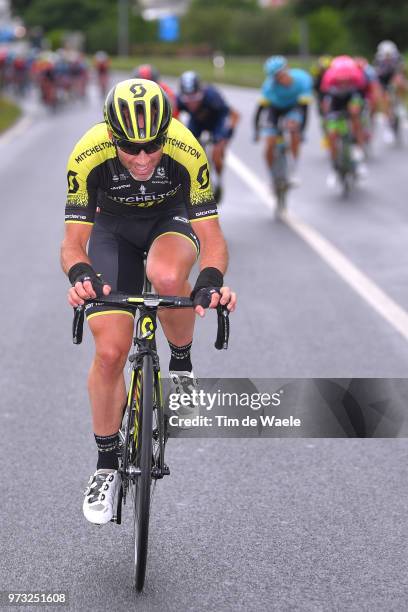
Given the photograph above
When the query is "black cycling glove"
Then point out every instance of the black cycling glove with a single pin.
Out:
(81, 272)
(209, 281)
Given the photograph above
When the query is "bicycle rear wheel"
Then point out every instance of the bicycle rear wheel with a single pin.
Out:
(345, 165)
(143, 453)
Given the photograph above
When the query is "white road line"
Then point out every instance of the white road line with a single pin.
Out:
(367, 289)
(15, 130)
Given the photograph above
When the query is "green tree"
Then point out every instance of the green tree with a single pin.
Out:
(259, 32)
(328, 33)
(235, 5)
(368, 21)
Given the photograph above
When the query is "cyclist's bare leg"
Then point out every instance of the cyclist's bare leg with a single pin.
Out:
(270, 149)
(356, 124)
(294, 131)
(106, 385)
(168, 266)
(386, 104)
(218, 154)
(332, 144)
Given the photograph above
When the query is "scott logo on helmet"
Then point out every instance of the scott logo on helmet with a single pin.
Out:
(138, 90)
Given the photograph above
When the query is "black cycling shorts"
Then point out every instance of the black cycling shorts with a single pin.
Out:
(117, 246)
(338, 104)
(385, 79)
(275, 115)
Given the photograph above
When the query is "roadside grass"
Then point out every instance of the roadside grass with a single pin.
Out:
(9, 113)
(243, 71)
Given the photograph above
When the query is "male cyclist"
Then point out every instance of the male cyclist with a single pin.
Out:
(389, 66)
(101, 62)
(208, 112)
(344, 86)
(373, 88)
(285, 95)
(137, 182)
(317, 71)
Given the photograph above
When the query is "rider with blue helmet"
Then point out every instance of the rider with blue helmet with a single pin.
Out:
(285, 95)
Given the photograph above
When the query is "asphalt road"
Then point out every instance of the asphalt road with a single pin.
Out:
(282, 524)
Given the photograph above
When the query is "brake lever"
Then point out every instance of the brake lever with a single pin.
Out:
(223, 328)
(78, 324)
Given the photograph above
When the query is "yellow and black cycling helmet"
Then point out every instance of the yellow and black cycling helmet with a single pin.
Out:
(137, 110)
(324, 62)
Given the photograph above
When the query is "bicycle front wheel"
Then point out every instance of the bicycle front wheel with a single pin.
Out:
(143, 445)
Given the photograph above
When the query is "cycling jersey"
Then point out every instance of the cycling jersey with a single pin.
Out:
(286, 96)
(210, 115)
(331, 82)
(172, 97)
(97, 179)
(387, 68)
(129, 215)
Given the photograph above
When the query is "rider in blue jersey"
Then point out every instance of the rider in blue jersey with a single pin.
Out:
(285, 95)
(208, 112)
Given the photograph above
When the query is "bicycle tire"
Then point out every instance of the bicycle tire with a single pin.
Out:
(141, 513)
(279, 172)
(344, 164)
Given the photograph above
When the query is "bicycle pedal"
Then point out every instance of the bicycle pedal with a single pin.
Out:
(166, 470)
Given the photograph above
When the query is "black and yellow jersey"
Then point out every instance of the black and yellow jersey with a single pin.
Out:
(97, 179)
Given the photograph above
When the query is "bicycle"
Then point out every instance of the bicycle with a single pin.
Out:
(398, 115)
(345, 165)
(144, 434)
(279, 170)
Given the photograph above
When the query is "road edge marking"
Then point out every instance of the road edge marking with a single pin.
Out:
(394, 314)
(19, 127)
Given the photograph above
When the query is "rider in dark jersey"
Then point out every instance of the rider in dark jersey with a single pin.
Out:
(208, 112)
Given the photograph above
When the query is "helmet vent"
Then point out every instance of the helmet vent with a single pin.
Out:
(155, 113)
(140, 112)
(125, 115)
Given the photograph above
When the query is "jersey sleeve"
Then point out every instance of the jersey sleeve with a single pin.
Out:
(82, 175)
(80, 205)
(306, 85)
(216, 101)
(185, 149)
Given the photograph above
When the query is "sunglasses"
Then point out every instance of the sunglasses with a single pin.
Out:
(134, 148)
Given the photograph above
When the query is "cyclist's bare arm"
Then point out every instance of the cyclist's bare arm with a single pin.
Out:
(73, 248)
(234, 118)
(214, 254)
(73, 251)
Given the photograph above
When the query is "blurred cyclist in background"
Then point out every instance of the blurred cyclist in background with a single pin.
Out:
(286, 92)
(20, 68)
(389, 66)
(147, 71)
(101, 64)
(208, 112)
(43, 73)
(344, 86)
(79, 73)
(373, 88)
(318, 71)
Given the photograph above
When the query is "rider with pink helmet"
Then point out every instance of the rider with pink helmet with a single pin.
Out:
(344, 87)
